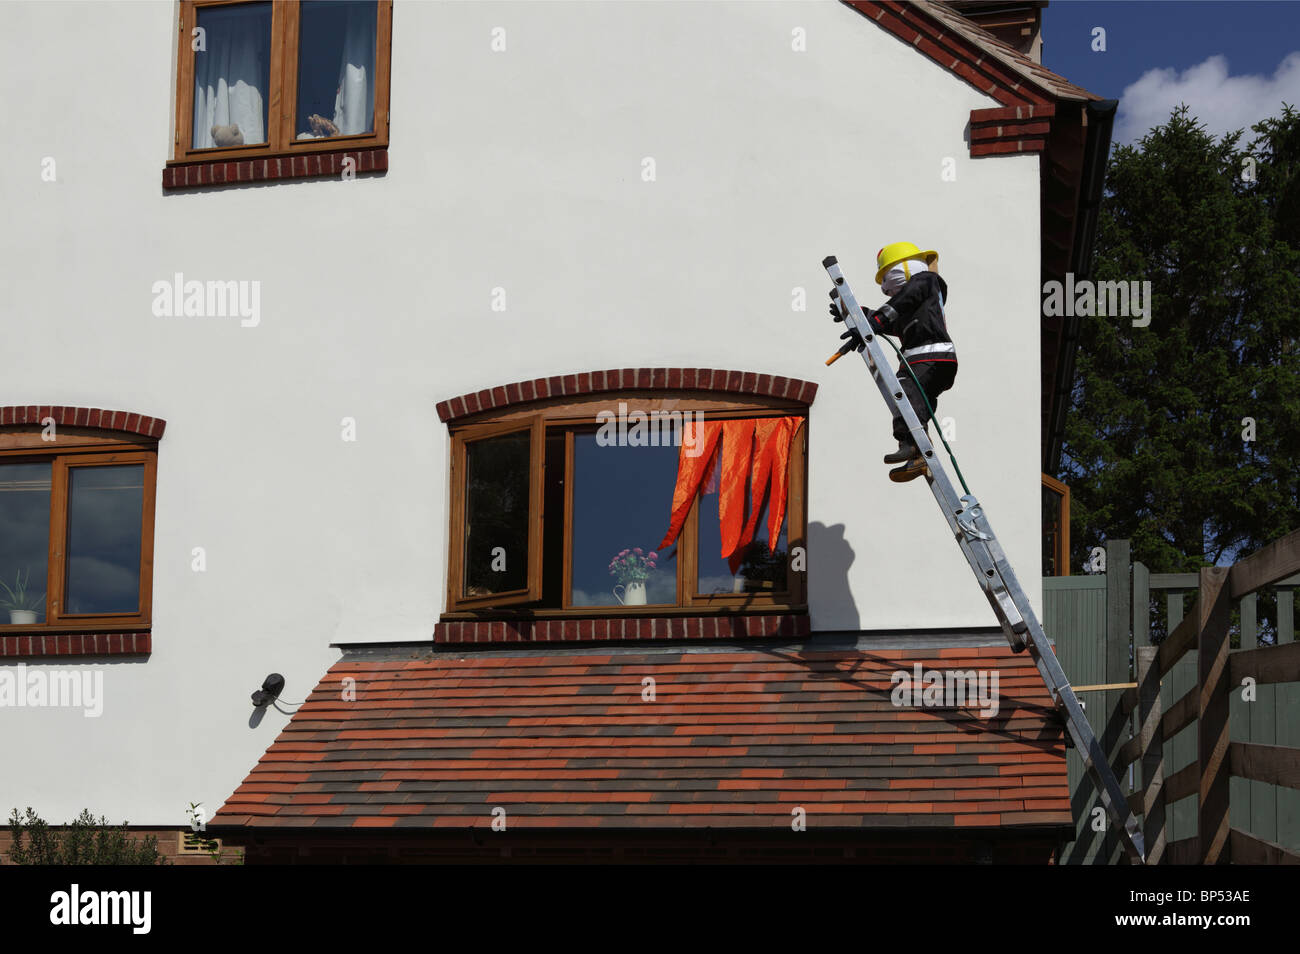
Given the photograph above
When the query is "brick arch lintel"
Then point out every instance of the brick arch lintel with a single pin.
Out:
(627, 379)
(127, 422)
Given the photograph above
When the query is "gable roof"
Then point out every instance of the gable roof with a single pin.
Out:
(734, 739)
(957, 44)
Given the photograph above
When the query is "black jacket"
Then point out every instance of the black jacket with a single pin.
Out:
(915, 316)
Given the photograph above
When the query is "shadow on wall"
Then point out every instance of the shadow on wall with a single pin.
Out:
(830, 600)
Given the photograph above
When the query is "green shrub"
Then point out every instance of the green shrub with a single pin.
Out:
(84, 842)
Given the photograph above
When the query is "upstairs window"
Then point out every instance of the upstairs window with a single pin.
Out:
(562, 509)
(76, 530)
(294, 76)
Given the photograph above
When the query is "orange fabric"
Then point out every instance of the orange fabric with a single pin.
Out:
(759, 472)
(737, 446)
(755, 452)
(691, 472)
(772, 439)
(780, 480)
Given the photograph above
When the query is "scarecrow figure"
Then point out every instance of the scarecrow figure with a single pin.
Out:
(914, 315)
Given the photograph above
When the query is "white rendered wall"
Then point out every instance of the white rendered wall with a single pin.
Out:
(519, 169)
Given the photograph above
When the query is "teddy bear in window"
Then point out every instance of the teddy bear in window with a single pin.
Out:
(321, 128)
(227, 135)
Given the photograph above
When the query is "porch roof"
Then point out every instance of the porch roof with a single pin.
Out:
(732, 739)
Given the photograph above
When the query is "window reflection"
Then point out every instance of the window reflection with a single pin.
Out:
(622, 497)
(496, 514)
(759, 572)
(105, 513)
(24, 541)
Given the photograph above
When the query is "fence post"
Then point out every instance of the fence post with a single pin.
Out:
(1118, 620)
(1141, 605)
(1214, 611)
(1153, 767)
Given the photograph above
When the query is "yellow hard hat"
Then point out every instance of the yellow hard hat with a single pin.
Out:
(891, 255)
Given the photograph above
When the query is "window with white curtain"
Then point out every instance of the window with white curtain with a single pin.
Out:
(232, 75)
(336, 68)
(262, 77)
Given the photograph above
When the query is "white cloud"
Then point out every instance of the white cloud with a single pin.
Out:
(1221, 102)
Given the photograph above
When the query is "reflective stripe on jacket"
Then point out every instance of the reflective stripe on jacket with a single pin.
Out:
(915, 316)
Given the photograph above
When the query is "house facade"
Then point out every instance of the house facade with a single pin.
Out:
(369, 337)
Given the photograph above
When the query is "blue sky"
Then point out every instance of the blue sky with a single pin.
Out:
(1233, 63)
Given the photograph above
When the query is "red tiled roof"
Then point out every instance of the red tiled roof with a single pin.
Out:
(733, 739)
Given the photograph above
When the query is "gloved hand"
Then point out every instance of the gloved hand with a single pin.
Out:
(855, 338)
(837, 311)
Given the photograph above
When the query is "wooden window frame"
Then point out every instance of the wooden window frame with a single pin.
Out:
(1062, 555)
(574, 416)
(459, 470)
(282, 97)
(83, 447)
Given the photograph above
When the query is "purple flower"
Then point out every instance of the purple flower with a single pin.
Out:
(652, 555)
(638, 551)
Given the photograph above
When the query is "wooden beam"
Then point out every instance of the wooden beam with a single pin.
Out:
(1249, 850)
(1128, 754)
(1180, 715)
(1279, 559)
(1266, 665)
(1182, 783)
(1173, 581)
(1183, 852)
(1151, 749)
(1275, 764)
(1128, 700)
(1119, 616)
(1213, 613)
(1178, 642)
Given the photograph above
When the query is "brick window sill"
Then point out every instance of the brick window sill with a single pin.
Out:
(38, 644)
(623, 628)
(209, 173)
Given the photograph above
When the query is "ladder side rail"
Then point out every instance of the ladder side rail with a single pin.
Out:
(1058, 683)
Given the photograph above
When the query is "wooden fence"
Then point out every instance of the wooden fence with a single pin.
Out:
(1209, 759)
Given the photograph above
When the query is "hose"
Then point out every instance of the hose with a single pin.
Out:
(938, 430)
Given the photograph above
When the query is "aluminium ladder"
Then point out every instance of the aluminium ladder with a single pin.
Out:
(975, 536)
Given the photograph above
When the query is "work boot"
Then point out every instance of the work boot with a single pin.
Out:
(913, 469)
(906, 451)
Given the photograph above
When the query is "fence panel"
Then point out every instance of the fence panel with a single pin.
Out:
(1074, 618)
(1076, 615)
(1180, 751)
